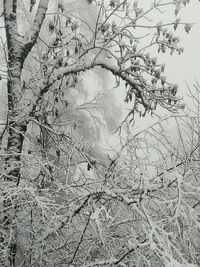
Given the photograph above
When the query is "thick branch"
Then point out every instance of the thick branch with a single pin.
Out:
(10, 20)
(35, 30)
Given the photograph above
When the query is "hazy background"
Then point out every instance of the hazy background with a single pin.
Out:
(187, 66)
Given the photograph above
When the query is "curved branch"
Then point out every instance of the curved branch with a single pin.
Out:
(74, 69)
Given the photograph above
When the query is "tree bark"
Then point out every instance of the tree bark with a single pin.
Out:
(18, 50)
(17, 53)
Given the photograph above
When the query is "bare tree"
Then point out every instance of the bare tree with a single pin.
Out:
(50, 205)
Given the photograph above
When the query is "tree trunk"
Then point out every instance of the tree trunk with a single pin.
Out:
(16, 125)
(18, 50)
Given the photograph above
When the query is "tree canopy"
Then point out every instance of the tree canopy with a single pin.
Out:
(65, 200)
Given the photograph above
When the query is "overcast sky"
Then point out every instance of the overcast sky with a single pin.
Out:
(187, 66)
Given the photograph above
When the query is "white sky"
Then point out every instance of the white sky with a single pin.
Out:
(187, 66)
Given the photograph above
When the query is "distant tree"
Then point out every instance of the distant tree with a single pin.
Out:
(52, 208)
